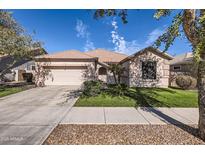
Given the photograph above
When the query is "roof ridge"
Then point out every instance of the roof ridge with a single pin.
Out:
(88, 55)
(74, 50)
(107, 51)
(69, 52)
(66, 51)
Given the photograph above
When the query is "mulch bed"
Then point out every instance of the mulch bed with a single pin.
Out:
(124, 134)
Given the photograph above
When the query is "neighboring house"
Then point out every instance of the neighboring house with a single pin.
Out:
(25, 67)
(146, 68)
(18, 67)
(182, 65)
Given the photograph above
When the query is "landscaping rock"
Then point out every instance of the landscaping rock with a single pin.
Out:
(124, 134)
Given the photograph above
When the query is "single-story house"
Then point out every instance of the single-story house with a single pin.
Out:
(146, 68)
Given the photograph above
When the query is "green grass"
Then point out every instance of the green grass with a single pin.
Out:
(106, 100)
(8, 91)
(147, 97)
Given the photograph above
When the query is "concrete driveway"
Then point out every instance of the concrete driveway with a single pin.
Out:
(28, 117)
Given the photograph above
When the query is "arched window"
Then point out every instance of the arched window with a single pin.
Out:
(102, 71)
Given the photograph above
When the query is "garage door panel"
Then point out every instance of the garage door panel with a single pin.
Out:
(65, 77)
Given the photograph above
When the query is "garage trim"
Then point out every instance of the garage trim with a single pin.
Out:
(65, 67)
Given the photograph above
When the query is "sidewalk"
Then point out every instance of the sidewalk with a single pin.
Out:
(130, 115)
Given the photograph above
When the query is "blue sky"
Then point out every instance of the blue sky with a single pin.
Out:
(61, 30)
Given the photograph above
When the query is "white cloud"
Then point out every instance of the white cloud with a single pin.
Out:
(153, 35)
(133, 46)
(128, 47)
(81, 29)
(120, 44)
(89, 45)
(82, 32)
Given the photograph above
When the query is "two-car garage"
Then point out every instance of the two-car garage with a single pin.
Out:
(66, 68)
(65, 75)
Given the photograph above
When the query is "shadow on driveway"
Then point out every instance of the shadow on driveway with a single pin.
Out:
(74, 94)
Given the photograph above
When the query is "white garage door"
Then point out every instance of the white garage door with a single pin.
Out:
(66, 76)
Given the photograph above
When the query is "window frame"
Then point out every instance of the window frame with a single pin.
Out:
(32, 67)
(177, 69)
(104, 73)
(148, 77)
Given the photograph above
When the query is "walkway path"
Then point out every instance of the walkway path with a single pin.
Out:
(129, 115)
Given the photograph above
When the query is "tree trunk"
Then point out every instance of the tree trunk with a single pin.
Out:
(201, 98)
(115, 78)
(118, 77)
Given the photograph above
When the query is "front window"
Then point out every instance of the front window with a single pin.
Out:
(149, 69)
(177, 68)
(102, 71)
(33, 67)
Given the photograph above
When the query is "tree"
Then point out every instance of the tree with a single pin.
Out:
(117, 71)
(191, 23)
(14, 41)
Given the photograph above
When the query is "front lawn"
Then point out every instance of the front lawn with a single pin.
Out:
(145, 97)
(4, 91)
(106, 100)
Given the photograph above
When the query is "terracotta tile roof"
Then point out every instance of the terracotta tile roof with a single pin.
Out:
(70, 54)
(106, 56)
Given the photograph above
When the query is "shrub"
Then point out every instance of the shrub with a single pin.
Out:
(117, 89)
(92, 88)
(194, 83)
(184, 81)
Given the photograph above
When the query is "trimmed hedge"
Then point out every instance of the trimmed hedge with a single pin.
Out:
(184, 81)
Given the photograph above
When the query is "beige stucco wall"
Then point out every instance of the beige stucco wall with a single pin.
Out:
(110, 78)
(101, 77)
(135, 71)
(125, 77)
(105, 78)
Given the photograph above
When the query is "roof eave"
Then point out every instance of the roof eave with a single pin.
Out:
(103, 64)
(50, 59)
(143, 50)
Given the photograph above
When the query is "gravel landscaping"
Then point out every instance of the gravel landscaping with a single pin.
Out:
(124, 134)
